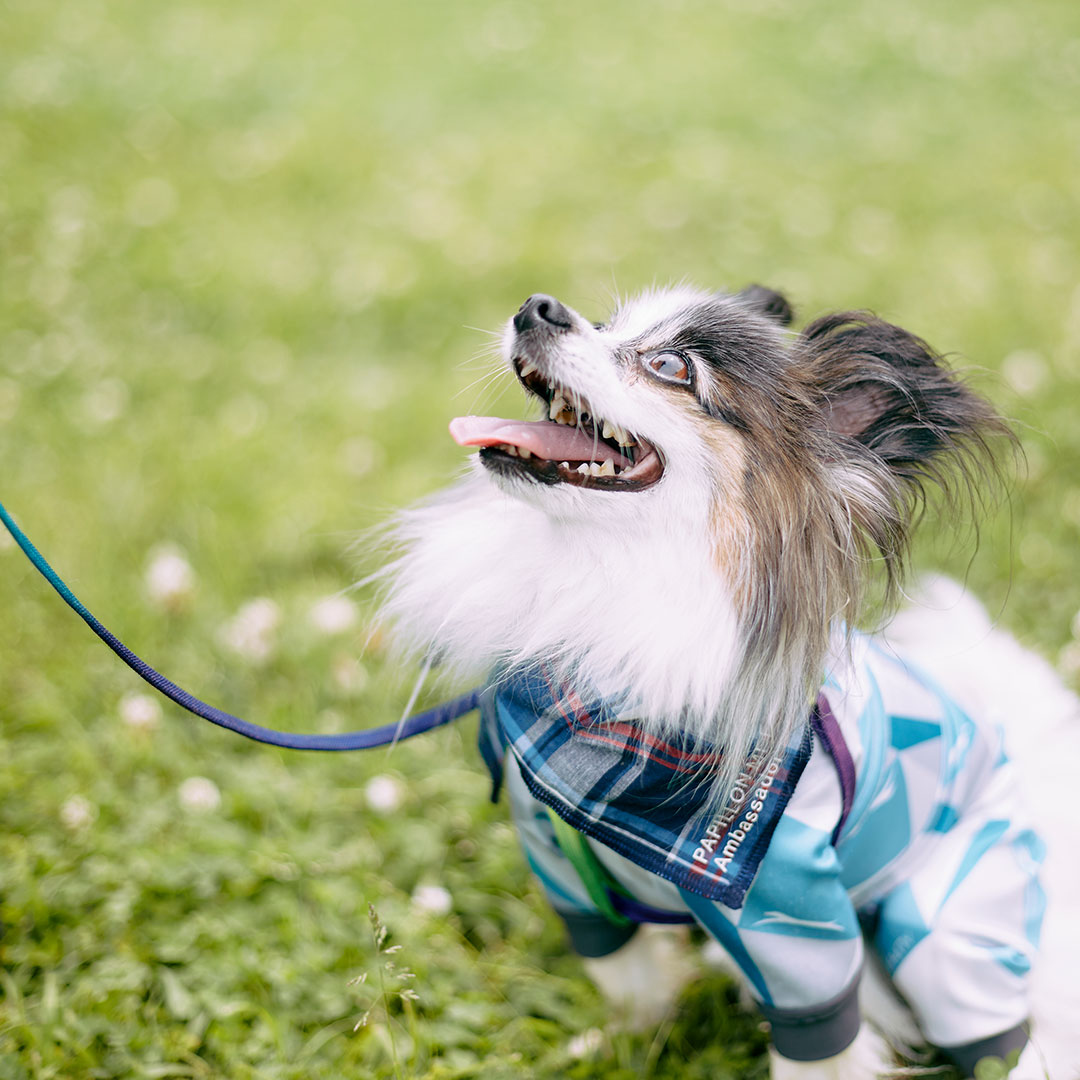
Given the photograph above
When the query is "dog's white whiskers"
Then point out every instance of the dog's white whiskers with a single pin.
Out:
(481, 383)
(369, 579)
(482, 386)
(407, 711)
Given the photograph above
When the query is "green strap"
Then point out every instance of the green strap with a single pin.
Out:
(597, 881)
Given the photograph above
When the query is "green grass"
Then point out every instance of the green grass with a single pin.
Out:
(244, 249)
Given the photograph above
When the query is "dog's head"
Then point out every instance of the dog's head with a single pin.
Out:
(706, 496)
(686, 402)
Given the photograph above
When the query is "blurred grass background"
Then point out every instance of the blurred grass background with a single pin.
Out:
(245, 250)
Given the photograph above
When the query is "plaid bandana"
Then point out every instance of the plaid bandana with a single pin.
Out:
(644, 797)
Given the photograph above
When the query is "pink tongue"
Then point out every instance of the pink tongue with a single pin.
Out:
(544, 438)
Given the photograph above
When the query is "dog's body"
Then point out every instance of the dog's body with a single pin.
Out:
(682, 548)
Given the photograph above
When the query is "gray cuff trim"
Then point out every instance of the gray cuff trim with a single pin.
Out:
(969, 1055)
(593, 935)
(817, 1032)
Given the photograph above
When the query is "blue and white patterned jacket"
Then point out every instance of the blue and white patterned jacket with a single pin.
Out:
(881, 809)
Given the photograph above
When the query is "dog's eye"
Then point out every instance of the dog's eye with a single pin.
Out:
(669, 366)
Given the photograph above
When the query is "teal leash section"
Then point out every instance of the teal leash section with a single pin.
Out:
(385, 735)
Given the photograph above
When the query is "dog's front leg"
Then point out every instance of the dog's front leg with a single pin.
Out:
(642, 980)
(865, 1059)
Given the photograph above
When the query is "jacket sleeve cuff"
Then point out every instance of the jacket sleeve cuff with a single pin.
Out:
(818, 1031)
(999, 1046)
(593, 936)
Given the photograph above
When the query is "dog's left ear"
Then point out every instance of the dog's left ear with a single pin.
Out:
(896, 420)
(767, 302)
(891, 395)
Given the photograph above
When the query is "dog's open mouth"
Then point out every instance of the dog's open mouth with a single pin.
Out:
(572, 447)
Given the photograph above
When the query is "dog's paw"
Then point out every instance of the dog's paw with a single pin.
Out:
(1035, 1065)
(642, 980)
(867, 1058)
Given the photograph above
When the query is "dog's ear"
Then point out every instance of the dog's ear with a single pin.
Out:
(887, 390)
(767, 302)
(896, 421)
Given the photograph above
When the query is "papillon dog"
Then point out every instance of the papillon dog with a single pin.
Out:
(661, 579)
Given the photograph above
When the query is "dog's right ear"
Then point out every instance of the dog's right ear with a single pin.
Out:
(767, 302)
(888, 391)
(900, 421)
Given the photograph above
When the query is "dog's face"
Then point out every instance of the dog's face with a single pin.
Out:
(645, 415)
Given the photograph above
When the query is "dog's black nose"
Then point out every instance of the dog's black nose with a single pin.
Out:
(541, 310)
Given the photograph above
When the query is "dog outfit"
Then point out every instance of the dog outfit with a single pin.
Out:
(892, 816)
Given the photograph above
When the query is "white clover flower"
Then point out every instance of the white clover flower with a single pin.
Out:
(170, 580)
(333, 615)
(250, 632)
(1025, 370)
(77, 812)
(432, 899)
(243, 415)
(140, 711)
(349, 675)
(361, 455)
(585, 1044)
(199, 794)
(105, 402)
(384, 794)
(150, 202)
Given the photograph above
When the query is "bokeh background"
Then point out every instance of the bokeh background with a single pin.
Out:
(248, 256)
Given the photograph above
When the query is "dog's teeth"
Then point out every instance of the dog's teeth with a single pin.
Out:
(607, 469)
(511, 450)
(557, 406)
(522, 452)
(568, 408)
(583, 468)
(527, 368)
(619, 434)
(565, 464)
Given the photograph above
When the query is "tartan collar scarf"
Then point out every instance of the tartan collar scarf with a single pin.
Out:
(644, 797)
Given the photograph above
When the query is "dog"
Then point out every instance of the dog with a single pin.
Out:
(660, 580)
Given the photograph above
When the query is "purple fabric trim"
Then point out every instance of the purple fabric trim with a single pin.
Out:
(638, 912)
(828, 731)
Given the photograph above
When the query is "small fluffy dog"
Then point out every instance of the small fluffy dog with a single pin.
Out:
(660, 579)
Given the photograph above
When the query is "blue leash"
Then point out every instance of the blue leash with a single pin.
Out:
(350, 740)
(629, 908)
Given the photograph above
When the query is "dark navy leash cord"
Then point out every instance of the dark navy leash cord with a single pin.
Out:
(350, 740)
(386, 735)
